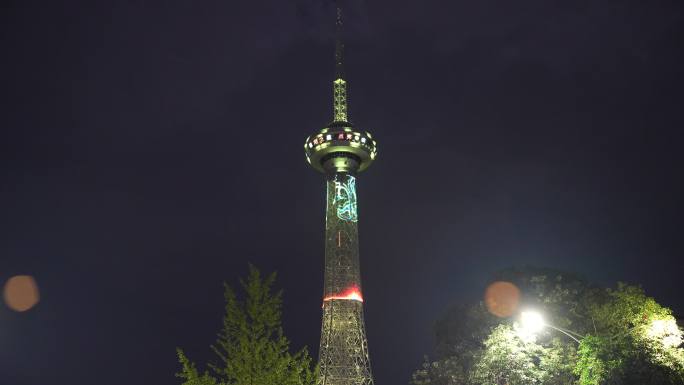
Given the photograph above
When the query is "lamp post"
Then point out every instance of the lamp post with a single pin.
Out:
(532, 322)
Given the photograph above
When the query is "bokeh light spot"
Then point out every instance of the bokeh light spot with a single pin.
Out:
(21, 293)
(502, 298)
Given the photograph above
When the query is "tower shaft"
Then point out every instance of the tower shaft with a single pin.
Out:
(344, 347)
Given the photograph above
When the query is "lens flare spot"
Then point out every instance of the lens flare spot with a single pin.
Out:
(21, 293)
(502, 298)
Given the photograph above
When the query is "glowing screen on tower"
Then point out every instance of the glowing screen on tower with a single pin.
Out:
(345, 199)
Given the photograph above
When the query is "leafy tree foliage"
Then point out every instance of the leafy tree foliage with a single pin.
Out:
(189, 372)
(636, 340)
(628, 338)
(449, 371)
(474, 344)
(562, 297)
(250, 347)
(508, 360)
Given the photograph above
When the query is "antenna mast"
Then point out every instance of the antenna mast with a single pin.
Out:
(339, 84)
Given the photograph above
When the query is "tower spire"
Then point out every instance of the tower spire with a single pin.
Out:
(339, 84)
(339, 46)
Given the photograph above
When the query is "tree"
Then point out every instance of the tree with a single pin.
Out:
(449, 371)
(636, 340)
(508, 360)
(251, 347)
(463, 330)
(189, 372)
(628, 338)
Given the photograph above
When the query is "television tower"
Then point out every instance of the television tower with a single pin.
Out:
(340, 152)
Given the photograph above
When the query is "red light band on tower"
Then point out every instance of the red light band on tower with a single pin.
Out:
(352, 293)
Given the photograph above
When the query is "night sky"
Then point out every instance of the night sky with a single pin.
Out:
(151, 149)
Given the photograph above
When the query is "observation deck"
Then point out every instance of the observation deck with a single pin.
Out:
(340, 148)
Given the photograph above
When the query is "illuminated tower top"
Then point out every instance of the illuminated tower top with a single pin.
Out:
(340, 147)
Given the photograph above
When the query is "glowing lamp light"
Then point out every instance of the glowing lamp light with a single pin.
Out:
(352, 294)
(531, 323)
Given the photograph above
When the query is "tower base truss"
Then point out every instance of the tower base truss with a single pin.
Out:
(344, 348)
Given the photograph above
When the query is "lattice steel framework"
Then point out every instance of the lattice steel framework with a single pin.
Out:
(341, 152)
(340, 100)
(344, 347)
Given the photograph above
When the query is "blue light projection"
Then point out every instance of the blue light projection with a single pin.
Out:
(345, 199)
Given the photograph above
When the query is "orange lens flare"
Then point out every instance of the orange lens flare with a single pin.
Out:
(352, 293)
(21, 293)
(502, 298)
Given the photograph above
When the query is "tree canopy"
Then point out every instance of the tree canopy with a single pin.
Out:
(618, 336)
(251, 348)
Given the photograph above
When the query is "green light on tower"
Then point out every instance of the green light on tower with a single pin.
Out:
(340, 100)
(345, 199)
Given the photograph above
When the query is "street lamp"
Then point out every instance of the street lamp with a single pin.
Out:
(532, 323)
